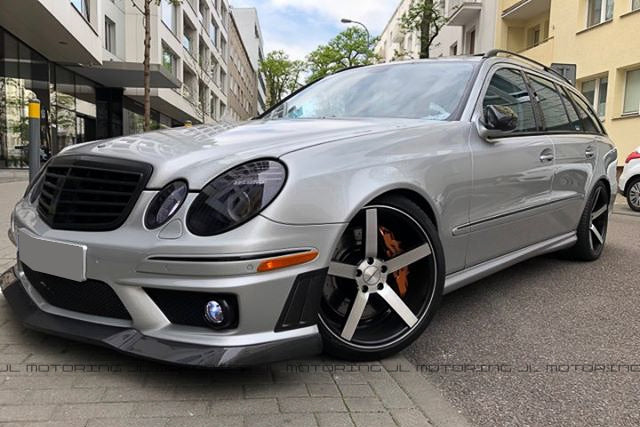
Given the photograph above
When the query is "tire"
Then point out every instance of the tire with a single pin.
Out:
(592, 229)
(362, 321)
(633, 194)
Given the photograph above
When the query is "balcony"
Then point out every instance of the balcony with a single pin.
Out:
(464, 12)
(524, 10)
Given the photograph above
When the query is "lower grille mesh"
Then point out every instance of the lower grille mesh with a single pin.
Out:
(88, 297)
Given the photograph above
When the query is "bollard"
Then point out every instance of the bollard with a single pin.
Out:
(34, 138)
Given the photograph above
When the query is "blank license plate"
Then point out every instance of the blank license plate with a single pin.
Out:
(60, 259)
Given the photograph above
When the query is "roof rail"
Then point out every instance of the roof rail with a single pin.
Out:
(495, 52)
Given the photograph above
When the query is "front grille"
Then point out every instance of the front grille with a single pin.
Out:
(187, 307)
(87, 193)
(89, 297)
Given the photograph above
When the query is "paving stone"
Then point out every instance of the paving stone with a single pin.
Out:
(93, 410)
(364, 419)
(276, 390)
(223, 421)
(349, 378)
(336, 419)
(410, 418)
(364, 404)
(12, 397)
(171, 409)
(311, 404)
(323, 390)
(356, 390)
(65, 395)
(23, 382)
(391, 394)
(115, 379)
(136, 394)
(67, 423)
(26, 412)
(131, 422)
(208, 392)
(295, 420)
(243, 407)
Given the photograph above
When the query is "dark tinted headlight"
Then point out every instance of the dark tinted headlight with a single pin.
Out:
(235, 197)
(165, 204)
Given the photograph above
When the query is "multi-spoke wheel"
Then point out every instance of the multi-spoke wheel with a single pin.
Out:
(384, 282)
(592, 230)
(633, 195)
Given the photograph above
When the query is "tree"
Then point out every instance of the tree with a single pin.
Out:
(350, 48)
(282, 75)
(424, 17)
(146, 13)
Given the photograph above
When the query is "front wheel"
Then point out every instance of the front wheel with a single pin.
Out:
(385, 281)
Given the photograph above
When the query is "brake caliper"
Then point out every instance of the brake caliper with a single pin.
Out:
(393, 249)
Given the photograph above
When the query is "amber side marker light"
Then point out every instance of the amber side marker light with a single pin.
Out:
(287, 261)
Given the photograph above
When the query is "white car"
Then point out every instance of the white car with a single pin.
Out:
(629, 183)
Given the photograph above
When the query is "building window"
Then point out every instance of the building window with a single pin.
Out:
(453, 50)
(169, 61)
(596, 92)
(632, 93)
(599, 11)
(213, 31)
(82, 6)
(635, 5)
(169, 15)
(109, 35)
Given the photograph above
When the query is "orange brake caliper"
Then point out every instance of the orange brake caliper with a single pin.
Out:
(394, 249)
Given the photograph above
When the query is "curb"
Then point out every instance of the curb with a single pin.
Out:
(424, 394)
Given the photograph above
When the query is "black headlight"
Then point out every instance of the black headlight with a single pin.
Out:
(165, 204)
(235, 197)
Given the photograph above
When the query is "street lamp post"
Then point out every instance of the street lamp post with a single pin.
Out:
(350, 21)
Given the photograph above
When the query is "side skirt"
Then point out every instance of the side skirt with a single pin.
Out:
(462, 278)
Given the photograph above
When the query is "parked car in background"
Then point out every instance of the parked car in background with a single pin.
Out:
(629, 182)
(335, 221)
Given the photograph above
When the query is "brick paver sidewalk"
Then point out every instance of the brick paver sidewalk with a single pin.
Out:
(50, 381)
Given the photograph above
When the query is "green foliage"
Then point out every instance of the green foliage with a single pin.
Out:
(426, 18)
(282, 75)
(350, 48)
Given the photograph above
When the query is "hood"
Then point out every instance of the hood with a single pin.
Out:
(200, 153)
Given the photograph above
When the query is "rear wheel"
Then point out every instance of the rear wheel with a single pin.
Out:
(384, 283)
(592, 230)
(633, 194)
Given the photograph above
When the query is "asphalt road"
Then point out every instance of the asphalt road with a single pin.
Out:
(564, 319)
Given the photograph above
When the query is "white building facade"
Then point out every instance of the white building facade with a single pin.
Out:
(83, 60)
(251, 34)
(470, 29)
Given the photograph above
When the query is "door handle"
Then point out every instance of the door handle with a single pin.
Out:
(546, 157)
(590, 152)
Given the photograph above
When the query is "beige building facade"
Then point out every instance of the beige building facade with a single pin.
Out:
(598, 39)
(243, 82)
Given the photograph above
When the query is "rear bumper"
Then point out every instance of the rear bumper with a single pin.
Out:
(132, 342)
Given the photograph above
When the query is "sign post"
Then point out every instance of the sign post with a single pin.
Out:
(34, 138)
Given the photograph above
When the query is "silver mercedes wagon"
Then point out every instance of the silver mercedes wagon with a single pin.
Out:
(335, 221)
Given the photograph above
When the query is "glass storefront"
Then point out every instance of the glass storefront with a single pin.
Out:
(69, 105)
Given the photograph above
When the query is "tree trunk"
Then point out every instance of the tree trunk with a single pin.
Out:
(425, 29)
(147, 65)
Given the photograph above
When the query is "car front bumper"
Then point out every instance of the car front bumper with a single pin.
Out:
(133, 261)
(133, 342)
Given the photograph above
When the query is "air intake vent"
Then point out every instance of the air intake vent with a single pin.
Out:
(89, 297)
(91, 193)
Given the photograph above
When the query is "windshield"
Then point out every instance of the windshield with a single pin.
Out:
(414, 90)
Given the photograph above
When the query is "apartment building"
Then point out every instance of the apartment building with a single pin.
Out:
(248, 24)
(243, 84)
(83, 60)
(469, 29)
(595, 42)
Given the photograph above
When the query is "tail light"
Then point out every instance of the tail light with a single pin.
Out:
(633, 156)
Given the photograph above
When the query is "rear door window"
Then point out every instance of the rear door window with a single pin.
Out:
(508, 88)
(576, 122)
(589, 121)
(551, 105)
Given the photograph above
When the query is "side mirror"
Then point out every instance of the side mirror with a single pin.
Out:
(498, 120)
